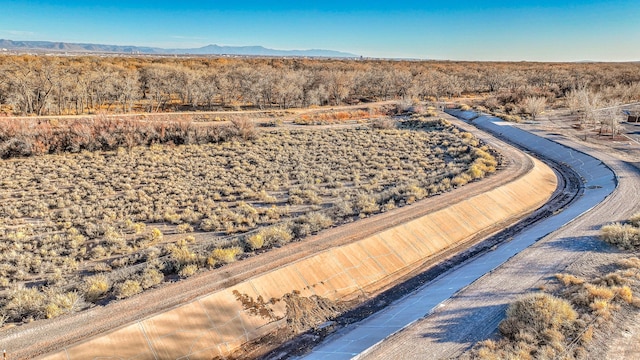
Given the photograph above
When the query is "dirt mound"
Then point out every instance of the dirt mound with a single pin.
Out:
(304, 313)
(312, 316)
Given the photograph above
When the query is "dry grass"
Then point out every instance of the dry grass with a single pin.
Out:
(378, 115)
(536, 316)
(624, 236)
(561, 326)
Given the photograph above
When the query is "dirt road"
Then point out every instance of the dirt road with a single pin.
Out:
(474, 313)
(225, 113)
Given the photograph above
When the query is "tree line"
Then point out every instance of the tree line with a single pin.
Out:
(56, 85)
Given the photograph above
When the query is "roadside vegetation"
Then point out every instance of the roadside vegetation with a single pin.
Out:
(562, 325)
(594, 110)
(89, 227)
(625, 236)
(561, 322)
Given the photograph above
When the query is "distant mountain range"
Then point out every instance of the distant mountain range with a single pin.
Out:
(50, 46)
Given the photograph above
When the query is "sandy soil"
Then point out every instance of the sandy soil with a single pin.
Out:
(474, 313)
(41, 337)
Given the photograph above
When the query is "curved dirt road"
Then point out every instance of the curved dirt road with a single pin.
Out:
(42, 337)
(474, 313)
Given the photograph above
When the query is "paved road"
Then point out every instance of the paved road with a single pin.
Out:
(362, 338)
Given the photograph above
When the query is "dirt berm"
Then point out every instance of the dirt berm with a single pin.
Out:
(218, 323)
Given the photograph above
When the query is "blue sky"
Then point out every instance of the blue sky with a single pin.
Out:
(448, 30)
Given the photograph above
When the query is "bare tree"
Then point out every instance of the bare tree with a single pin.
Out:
(431, 83)
(585, 103)
(245, 82)
(402, 82)
(339, 85)
(224, 87)
(267, 86)
(318, 95)
(60, 85)
(290, 88)
(534, 106)
(157, 82)
(4, 88)
(31, 84)
(100, 86)
(453, 85)
(126, 88)
(610, 118)
(204, 89)
(495, 80)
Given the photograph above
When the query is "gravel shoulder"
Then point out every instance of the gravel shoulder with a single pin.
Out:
(474, 313)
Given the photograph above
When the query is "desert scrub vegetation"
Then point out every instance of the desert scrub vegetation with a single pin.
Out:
(109, 224)
(27, 137)
(624, 236)
(562, 324)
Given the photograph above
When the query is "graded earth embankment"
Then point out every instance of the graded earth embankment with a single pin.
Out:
(216, 324)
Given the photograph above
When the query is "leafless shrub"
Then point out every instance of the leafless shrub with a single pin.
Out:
(95, 287)
(624, 236)
(107, 133)
(491, 103)
(510, 118)
(24, 303)
(383, 123)
(226, 255)
(275, 235)
(311, 223)
(151, 277)
(188, 270)
(127, 289)
(255, 241)
(537, 314)
(244, 127)
(62, 303)
(542, 325)
(534, 105)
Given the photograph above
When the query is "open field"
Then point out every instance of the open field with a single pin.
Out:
(96, 226)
